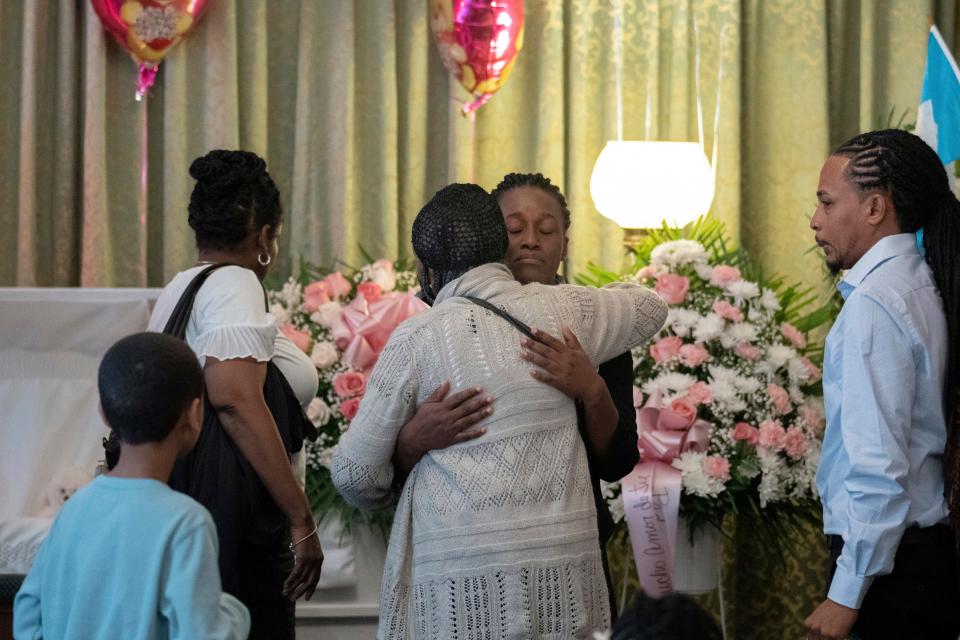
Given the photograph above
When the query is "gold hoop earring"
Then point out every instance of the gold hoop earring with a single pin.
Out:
(260, 259)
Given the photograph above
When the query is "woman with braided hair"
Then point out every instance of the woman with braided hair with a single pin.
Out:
(889, 478)
(256, 384)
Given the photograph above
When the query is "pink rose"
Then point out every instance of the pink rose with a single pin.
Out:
(793, 334)
(722, 275)
(349, 384)
(672, 288)
(684, 409)
(812, 417)
(316, 294)
(699, 393)
(665, 349)
(815, 372)
(743, 431)
(726, 310)
(301, 339)
(780, 399)
(747, 351)
(370, 290)
(771, 435)
(693, 355)
(795, 443)
(349, 408)
(717, 467)
(337, 285)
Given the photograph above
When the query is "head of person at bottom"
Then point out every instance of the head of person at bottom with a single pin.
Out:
(537, 219)
(673, 617)
(460, 228)
(151, 390)
(235, 210)
(878, 184)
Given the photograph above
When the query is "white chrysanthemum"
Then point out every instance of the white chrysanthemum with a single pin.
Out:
(708, 327)
(796, 395)
(737, 333)
(772, 481)
(678, 252)
(327, 314)
(668, 384)
(779, 354)
(681, 321)
(694, 478)
(797, 371)
(742, 290)
(757, 315)
(705, 271)
(324, 354)
(319, 412)
(747, 385)
(769, 300)
(291, 295)
(278, 312)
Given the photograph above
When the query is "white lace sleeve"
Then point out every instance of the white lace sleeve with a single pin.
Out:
(614, 319)
(362, 468)
(230, 320)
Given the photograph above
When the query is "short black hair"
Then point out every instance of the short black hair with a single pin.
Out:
(536, 180)
(146, 381)
(673, 617)
(234, 195)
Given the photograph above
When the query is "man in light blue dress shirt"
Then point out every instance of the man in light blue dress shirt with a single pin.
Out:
(889, 364)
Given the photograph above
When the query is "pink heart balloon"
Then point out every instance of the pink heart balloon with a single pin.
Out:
(148, 29)
(478, 41)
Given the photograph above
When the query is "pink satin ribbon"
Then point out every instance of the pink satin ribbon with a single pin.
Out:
(363, 329)
(651, 492)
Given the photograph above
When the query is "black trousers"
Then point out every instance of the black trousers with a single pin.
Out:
(920, 598)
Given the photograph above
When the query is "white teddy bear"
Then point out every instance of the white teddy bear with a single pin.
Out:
(64, 484)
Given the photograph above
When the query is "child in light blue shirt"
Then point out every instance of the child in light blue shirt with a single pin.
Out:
(127, 557)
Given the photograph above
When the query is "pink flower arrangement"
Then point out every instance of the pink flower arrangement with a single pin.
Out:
(795, 443)
(780, 399)
(349, 408)
(815, 373)
(349, 384)
(685, 410)
(772, 435)
(672, 288)
(693, 355)
(300, 338)
(793, 334)
(812, 417)
(727, 311)
(315, 294)
(337, 285)
(722, 275)
(717, 467)
(699, 393)
(370, 290)
(743, 431)
(747, 351)
(665, 349)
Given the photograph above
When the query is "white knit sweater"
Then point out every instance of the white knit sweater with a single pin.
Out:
(496, 537)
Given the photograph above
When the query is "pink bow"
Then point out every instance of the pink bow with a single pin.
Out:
(665, 434)
(363, 329)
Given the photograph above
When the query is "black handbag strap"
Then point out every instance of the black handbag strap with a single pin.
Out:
(519, 324)
(177, 323)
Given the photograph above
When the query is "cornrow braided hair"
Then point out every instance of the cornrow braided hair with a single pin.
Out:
(538, 180)
(234, 195)
(905, 167)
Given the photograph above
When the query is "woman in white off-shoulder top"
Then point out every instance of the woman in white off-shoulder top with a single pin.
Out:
(236, 216)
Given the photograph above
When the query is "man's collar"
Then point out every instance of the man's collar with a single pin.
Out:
(885, 248)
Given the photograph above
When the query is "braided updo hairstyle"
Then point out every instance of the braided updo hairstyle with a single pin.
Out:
(905, 167)
(539, 181)
(234, 196)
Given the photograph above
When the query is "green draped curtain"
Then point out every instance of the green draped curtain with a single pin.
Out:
(359, 122)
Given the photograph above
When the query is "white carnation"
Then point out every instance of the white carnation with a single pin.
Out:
(742, 290)
(708, 328)
(319, 412)
(693, 477)
(779, 354)
(324, 354)
(678, 252)
(278, 312)
(769, 300)
(327, 314)
(681, 321)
